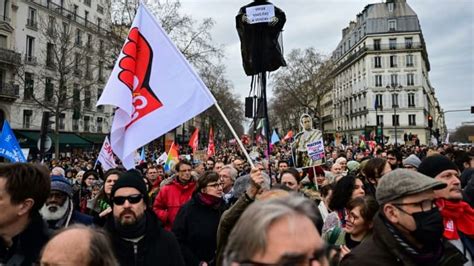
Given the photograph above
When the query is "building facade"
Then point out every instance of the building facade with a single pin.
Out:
(55, 57)
(382, 62)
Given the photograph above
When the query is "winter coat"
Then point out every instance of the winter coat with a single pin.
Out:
(27, 245)
(195, 229)
(228, 220)
(157, 247)
(170, 199)
(383, 249)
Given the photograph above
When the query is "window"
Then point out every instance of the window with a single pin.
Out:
(27, 118)
(100, 9)
(99, 22)
(3, 41)
(99, 124)
(412, 120)
(88, 68)
(76, 7)
(77, 62)
(75, 124)
(411, 100)
(31, 20)
(89, 41)
(86, 123)
(379, 100)
(29, 84)
(62, 117)
(390, 7)
(86, 16)
(87, 98)
(409, 60)
(392, 43)
(51, 25)
(410, 79)
(378, 61)
(408, 42)
(378, 80)
(50, 55)
(100, 71)
(30, 49)
(394, 100)
(377, 44)
(78, 41)
(394, 80)
(87, 2)
(379, 120)
(393, 61)
(49, 90)
(392, 25)
(395, 120)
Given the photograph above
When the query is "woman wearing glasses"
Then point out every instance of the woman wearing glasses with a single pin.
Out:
(196, 224)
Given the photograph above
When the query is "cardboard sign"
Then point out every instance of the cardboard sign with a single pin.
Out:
(316, 150)
(260, 14)
(200, 155)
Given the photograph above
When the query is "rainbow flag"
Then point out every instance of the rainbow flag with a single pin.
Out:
(173, 158)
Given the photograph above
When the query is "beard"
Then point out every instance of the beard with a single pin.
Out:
(51, 212)
(128, 221)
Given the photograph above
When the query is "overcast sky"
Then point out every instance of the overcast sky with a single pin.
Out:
(447, 25)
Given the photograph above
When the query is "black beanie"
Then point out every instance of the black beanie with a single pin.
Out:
(434, 165)
(131, 178)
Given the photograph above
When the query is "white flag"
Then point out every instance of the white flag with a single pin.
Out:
(153, 86)
(162, 159)
(106, 156)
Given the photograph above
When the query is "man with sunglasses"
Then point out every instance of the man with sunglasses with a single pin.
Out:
(136, 233)
(408, 228)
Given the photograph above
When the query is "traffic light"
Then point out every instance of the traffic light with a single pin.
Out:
(430, 121)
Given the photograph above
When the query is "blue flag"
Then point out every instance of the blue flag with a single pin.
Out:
(9, 147)
(275, 137)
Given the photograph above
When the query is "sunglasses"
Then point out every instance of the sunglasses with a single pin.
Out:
(132, 199)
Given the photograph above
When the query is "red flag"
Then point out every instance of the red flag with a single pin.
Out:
(288, 135)
(194, 140)
(211, 148)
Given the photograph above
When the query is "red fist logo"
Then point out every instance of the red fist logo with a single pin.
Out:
(136, 67)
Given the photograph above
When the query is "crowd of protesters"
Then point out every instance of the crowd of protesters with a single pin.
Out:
(408, 205)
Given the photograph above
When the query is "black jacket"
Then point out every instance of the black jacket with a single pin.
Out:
(195, 227)
(383, 249)
(157, 247)
(27, 245)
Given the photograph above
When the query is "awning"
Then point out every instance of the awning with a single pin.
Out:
(29, 139)
(94, 138)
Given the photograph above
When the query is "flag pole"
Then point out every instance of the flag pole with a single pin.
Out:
(235, 135)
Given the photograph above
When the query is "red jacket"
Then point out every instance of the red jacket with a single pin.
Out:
(170, 199)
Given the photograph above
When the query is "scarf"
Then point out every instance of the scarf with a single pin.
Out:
(132, 231)
(457, 216)
(421, 257)
(210, 200)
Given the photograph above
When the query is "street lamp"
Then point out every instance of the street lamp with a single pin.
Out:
(394, 88)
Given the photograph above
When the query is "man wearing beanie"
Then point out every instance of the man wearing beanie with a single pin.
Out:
(408, 229)
(136, 233)
(412, 162)
(458, 216)
(58, 210)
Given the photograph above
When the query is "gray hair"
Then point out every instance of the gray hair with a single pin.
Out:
(58, 171)
(100, 247)
(248, 237)
(232, 171)
(243, 182)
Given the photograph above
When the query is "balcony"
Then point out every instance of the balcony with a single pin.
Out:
(31, 24)
(30, 60)
(9, 92)
(10, 57)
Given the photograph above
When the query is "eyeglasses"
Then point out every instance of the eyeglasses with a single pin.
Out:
(132, 199)
(185, 170)
(293, 259)
(425, 205)
(215, 185)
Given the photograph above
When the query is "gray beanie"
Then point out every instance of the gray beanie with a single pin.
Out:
(412, 160)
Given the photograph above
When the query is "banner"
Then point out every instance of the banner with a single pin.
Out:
(106, 155)
(153, 87)
(194, 140)
(9, 147)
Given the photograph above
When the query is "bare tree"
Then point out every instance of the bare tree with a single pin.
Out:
(65, 70)
(463, 133)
